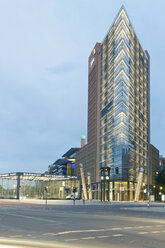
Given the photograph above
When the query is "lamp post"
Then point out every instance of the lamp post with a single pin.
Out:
(160, 192)
(154, 187)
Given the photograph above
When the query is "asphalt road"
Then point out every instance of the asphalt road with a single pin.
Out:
(81, 226)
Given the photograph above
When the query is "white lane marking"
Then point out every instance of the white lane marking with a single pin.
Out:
(143, 232)
(70, 240)
(89, 238)
(15, 236)
(49, 234)
(102, 237)
(37, 218)
(155, 231)
(77, 231)
(98, 230)
(117, 235)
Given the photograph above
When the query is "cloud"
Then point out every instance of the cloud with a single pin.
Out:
(60, 69)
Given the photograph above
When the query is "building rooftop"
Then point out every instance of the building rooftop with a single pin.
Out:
(70, 152)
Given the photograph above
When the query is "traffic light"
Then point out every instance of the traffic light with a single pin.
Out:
(74, 189)
(105, 173)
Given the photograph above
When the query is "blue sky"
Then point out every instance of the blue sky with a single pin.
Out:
(44, 49)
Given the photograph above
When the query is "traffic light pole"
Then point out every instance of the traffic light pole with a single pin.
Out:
(101, 191)
(104, 191)
(108, 191)
(105, 178)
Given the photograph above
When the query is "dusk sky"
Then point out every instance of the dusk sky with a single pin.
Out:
(44, 49)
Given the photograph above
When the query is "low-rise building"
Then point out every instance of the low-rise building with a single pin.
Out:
(64, 166)
(162, 162)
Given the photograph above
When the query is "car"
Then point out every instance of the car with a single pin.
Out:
(71, 196)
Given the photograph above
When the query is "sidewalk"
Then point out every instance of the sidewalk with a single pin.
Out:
(79, 202)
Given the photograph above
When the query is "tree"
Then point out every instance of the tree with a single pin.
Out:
(160, 181)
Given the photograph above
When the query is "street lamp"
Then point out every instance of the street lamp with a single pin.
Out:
(154, 186)
(144, 190)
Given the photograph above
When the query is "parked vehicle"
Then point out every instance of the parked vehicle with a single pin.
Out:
(71, 196)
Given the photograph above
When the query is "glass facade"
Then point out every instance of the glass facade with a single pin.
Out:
(124, 103)
(32, 186)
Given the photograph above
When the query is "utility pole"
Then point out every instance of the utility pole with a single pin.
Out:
(83, 182)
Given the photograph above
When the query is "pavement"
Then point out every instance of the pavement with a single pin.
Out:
(79, 202)
(95, 224)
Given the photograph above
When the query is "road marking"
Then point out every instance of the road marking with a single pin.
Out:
(15, 236)
(117, 235)
(70, 240)
(143, 232)
(100, 230)
(116, 228)
(49, 234)
(89, 238)
(37, 218)
(155, 231)
(77, 231)
(102, 237)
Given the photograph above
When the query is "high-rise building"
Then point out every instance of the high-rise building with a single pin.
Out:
(88, 155)
(124, 103)
(118, 109)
